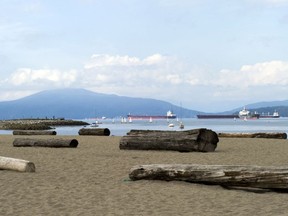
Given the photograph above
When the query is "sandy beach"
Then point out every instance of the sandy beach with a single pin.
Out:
(92, 179)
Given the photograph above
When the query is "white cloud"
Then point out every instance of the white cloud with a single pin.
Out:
(160, 77)
(42, 77)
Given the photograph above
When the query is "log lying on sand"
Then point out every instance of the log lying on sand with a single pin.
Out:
(34, 132)
(56, 143)
(254, 135)
(7, 163)
(199, 140)
(269, 177)
(94, 131)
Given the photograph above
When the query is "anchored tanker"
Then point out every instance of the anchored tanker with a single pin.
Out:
(169, 115)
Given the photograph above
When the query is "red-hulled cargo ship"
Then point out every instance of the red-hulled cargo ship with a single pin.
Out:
(169, 115)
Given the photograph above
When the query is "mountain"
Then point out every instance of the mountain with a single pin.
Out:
(81, 103)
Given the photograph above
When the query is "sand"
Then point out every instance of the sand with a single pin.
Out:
(92, 179)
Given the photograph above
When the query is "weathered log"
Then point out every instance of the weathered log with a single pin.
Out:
(56, 143)
(34, 132)
(199, 140)
(264, 177)
(7, 163)
(254, 135)
(94, 131)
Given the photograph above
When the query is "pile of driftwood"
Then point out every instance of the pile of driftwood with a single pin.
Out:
(234, 177)
(200, 140)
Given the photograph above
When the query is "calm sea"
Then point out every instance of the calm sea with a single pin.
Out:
(218, 125)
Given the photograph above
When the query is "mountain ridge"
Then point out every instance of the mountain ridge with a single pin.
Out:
(77, 103)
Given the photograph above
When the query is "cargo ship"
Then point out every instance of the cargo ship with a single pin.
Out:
(216, 116)
(243, 114)
(268, 115)
(169, 115)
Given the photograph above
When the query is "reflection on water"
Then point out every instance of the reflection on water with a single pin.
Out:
(218, 125)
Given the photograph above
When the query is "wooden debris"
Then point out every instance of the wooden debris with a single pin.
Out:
(254, 135)
(7, 163)
(199, 140)
(34, 132)
(56, 143)
(241, 176)
(94, 131)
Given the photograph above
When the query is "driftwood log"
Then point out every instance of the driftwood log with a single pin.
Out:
(94, 131)
(34, 132)
(7, 163)
(237, 176)
(56, 143)
(254, 135)
(199, 140)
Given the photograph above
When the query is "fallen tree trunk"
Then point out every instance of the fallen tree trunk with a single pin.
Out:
(56, 143)
(34, 132)
(200, 140)
(269, 177)
(254, 135)
(94, 131)
(7, 163)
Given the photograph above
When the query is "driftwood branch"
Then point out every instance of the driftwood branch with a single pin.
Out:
(254, 135)
(263, 177)
(56, 143)
(7, 163)
(34, 132)
(94, 131)
(200, 140)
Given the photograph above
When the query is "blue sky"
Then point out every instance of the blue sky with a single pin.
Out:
(208, 55)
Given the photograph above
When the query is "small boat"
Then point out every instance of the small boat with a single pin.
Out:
(94, 125)
(181, 126)
(171, 125)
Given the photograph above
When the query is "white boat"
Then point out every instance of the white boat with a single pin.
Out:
(171, 125)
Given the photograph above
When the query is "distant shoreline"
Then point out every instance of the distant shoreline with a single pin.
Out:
(37, 124)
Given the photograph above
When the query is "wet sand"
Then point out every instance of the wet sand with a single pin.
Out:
(92, 179)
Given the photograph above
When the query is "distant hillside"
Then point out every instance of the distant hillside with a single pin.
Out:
(81, 103)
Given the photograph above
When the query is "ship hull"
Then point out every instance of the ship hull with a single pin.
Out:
(217, 116)
(140, 117)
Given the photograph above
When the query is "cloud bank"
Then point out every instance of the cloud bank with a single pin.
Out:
(173, 79)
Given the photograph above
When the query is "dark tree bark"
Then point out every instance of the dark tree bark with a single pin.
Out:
(56, 143)
(200, 140)
(94, 131)
(254, 135)
(34, 132)
(269, 177)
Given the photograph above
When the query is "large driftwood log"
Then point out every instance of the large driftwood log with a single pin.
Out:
(199, 140)
(254, 135)
(7, 163)
(56, 143)
(34, 132)
(94, 131)
(264, 177)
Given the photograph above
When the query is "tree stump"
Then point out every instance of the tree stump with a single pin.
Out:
(263, 177)
(56, 143)
(199, 140)
(94, 131)
(254, 135)
(7, 163)
(34, 132)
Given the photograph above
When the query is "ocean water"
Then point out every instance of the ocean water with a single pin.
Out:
(218, 125)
